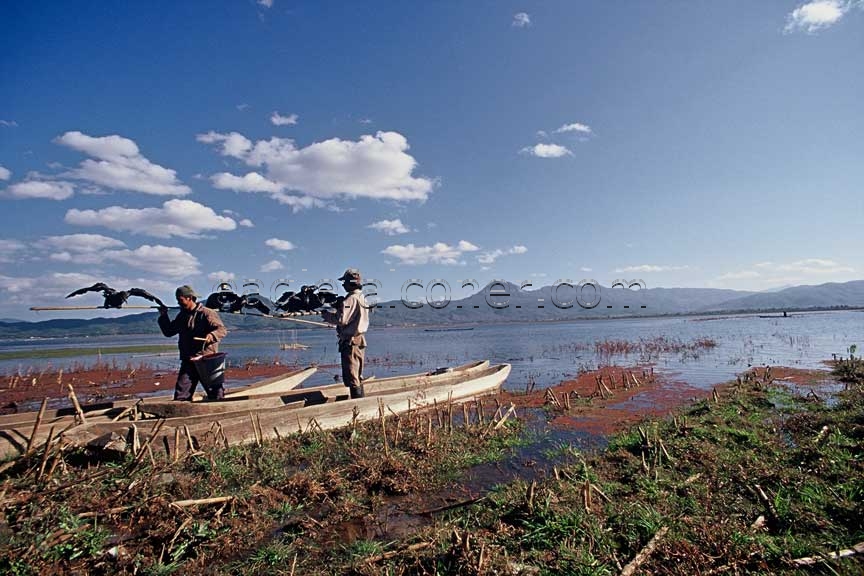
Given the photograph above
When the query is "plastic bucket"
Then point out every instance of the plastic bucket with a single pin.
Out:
(211, 369)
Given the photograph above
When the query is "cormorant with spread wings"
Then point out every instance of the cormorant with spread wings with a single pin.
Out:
(116, 298)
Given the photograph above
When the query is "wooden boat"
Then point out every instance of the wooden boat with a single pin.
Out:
(16, 429)
(241, 427)
(319, 395)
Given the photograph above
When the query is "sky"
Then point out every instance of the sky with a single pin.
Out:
(686, 144)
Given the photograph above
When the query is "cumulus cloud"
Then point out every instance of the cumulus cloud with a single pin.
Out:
(10, 249)
(5, 173)
(272, 266)
(279, 120)
(546, 150)
(168, 261)
(78, 248)
(278, 244)
(438, 253)
(46, 189)
(814, 16)
(246, 223)
(574, 127)
(377, 167)
(521, 20)
(490, 257)
(183, 218)
(116, 163)
(390, 227)
(650, 268)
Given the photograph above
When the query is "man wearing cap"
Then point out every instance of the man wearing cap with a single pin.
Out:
(352, 322)
(200, 331)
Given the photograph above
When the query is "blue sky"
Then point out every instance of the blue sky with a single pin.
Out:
(697, 144)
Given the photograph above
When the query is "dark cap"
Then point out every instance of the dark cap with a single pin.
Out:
(351, 275)
(186, 291)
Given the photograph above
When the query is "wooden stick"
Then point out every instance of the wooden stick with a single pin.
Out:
(48, 308)
(126, 411)
(643, 555)
(76, 404)
(36, 425)
(809, 561)
(201, 501)
(45, 454)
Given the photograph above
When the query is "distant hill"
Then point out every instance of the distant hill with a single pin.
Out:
(523, 305)
(132, 324)
(830, 295)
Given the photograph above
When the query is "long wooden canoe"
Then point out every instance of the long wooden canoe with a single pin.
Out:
(317, 395)
(16, 429)
(238, 427)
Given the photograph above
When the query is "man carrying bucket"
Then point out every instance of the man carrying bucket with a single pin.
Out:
(352, 322)
(200, 331)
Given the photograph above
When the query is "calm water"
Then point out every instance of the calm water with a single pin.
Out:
(544, 353)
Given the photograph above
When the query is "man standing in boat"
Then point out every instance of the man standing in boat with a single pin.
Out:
(352, 321)
(200, 330)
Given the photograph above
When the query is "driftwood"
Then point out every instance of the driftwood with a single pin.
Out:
(202, 501)
(643, 554)
(810, 560)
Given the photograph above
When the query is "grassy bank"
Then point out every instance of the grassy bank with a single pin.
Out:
(761, 475)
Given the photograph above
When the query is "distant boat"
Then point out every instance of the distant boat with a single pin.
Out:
(448, 329)
(293, 346)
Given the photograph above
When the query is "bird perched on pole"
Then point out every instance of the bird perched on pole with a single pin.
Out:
(116, 298)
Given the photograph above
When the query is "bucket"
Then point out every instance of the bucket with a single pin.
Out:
(211, 369)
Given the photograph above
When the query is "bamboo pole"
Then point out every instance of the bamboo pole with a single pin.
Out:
(56, 308)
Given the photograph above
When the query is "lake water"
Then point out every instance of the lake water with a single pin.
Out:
(544, 353)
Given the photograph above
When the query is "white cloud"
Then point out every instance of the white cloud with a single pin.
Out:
(8, 123)
(585, 269)
(221, 276)
(78, 248)
(390, 227)
(521, 20)
(438, 253)
(266, 3)
(168, 261)
(251, 182)
(546, 150)
(366, 121)
(233, 144)
(272, 266)
(376, 167)
(574, 127)
(47, 189)
(279, 120)
(5, 173)
(246, 223)
(10, 249)
(491, 257)
(242, 107)
(650, 268)
(814, 16)
(183, 218)
(278, 244)
(117, 163)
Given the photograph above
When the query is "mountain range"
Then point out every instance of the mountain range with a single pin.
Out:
(521, 305)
